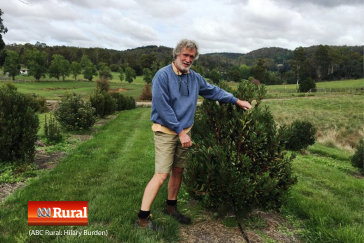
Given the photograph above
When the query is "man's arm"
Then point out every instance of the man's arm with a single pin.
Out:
(215, 93)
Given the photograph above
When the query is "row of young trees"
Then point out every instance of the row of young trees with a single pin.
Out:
(59, 67)
(20, 123)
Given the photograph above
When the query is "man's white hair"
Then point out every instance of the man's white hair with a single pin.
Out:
(190, 44)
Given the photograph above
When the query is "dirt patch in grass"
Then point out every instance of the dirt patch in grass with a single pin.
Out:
(210, 231)
(52, 104)
(8, 188)
(274, 227)
(258, 227)
(118, 90)
(48, 160)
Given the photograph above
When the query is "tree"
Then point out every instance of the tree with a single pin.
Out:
(215, 76)
(259, 71)
(130, 74)
(104, 71)
(37, 63)
(3, 30)
(198, 68)
(306, 85)
(89, 69)
(146, 60)
(114, 68)
(59, 67)
(322, 62)
(245, 71)
(11, 64)
(75, 69)
(147, 75)
(238, 162)
(299, 64)
(85, 61)
(234, 74)
(121, 74)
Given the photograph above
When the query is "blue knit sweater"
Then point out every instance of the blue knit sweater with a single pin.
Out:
(175, 97)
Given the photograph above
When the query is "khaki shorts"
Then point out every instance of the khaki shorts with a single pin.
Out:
(168, 152)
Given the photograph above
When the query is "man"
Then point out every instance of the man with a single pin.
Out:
(175, 91)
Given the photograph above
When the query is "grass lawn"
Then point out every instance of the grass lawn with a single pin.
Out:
(53, 89)
(109, 171)
(340, 84)
(326, 205)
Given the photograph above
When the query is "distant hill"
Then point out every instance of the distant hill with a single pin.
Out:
(154, 57)
(230, 55)
(276, 55)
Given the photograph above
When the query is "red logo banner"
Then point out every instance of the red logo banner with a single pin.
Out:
(57, 213)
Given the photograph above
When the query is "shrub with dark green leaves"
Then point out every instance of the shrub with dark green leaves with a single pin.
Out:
(38, 103)
(103, 103)
(299, 135)
(52, 131)
(358, 158)
(130, 103)
(74, 113)
(18, 125)
(238, 162)
(307, 85)
(123, 103)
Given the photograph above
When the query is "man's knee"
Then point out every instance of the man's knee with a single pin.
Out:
(161, 177)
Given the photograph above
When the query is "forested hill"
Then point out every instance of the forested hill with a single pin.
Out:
(321, 62)
(275, 54)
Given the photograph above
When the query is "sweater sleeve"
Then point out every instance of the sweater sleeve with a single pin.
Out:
(161, 102)
(213, 92)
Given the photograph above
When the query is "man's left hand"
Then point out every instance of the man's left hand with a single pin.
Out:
(244, 104)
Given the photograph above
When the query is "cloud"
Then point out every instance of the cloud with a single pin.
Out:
(217, 25)
(323, 3)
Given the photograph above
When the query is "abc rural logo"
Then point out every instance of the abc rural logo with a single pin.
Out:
(57, 213)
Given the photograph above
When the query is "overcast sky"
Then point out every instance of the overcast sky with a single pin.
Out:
(218, 26)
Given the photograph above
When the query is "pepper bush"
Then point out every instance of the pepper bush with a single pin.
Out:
(74, 113)
(18, 125)
(238, 161)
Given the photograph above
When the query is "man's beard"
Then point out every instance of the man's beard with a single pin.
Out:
(181, 67)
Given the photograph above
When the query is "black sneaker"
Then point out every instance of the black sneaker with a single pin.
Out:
(172, 211)
(146, 223)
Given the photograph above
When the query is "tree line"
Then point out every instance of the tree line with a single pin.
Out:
(38, 65)
(268, 65)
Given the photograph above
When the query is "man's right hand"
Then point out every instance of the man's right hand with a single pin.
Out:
(185, 139)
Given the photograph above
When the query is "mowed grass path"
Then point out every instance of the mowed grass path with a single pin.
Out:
(109, 171)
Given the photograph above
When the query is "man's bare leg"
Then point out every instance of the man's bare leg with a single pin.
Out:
(151, 190)
(174, 183)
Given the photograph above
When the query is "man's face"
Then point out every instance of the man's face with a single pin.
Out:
(185, 59)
